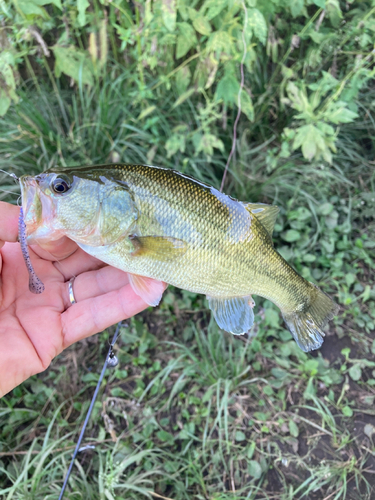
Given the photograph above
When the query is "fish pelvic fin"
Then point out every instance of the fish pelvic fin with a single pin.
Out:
(234, 315)
(266, 214)
(306, 325)
(149, 290)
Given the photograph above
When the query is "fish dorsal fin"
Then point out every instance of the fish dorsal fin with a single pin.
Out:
(266, 214)
(161, 248)
(234, 315)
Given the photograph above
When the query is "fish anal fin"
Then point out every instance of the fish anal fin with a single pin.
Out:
(266, 214)
(234, 315)
(149, 290)
(162, 248)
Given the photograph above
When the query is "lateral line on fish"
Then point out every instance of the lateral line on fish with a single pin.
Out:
(35, 284)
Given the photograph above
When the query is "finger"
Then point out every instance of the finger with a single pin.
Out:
(94, 283)
(9, 215)
(94, 315)
(77, 263)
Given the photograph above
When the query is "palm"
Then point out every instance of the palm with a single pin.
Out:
(35, 328)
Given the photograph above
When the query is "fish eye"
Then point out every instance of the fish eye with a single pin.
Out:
(61, 185)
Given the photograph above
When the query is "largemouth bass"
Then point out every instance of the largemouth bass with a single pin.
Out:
(158, 223)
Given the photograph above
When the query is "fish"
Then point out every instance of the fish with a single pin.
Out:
(158, 223)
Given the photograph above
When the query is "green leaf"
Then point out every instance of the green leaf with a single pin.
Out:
(320, 3)
(185, 40)
(325, 208)
(4, 102)
(291, 235)
(220, 41)
(227, 89)
(211, 8)
(240, 436)
(82, 6)
(247, 105)
(183, 97)
(355, 372)
(74, 63)
(272, 318)
(254, 469)
(183, 78)
(176, 142)
(293, 428)
(341, 114)
(207, 143)
(256, 24)
(296, 7)
(30, 8)
(168, 8)
(202, 25)
(165, 436)
(347, 411)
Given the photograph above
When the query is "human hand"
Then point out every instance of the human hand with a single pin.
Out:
(36, 328)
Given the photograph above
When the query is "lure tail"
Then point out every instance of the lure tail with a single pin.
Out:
(306, 325)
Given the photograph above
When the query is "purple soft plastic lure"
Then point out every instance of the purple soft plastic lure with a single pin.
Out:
(35, 285)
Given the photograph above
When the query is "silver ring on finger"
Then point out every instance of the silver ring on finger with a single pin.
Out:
(72, 299)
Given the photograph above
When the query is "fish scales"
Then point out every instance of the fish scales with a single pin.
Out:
(159, 223)
(207, 266)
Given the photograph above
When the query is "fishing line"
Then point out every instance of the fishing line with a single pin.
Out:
(111, 361)
(12, 175)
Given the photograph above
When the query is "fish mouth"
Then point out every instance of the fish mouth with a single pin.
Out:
(37, 208)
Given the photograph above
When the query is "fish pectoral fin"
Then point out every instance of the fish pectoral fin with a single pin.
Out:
(233, 315)
(266, 214)
(162, 248)
(149, 290)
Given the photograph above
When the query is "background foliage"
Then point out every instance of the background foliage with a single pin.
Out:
(191, 412)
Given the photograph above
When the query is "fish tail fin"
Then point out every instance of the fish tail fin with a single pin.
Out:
(306, 325)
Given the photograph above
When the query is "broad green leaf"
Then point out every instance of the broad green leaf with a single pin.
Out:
(325, 208)
(30, 7)
(169, 11)
(185, 40)
(341, 114)
(227, 89)
(4, 102)
(247, 105)
(296, 7)
(254, 469)
(320, 3)
(256, 24)
(355, 372)
(220, 40)
(347, 411)
(211, 8)
(207, 143)
(82, 6)
(272, 318)
(74, 63)
(176, 142)
(240, 436)
(291, 235)
(293, 429)
(183, 77)
(334, 12)
(202, 25)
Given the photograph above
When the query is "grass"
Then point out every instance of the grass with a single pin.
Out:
(191, 412)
